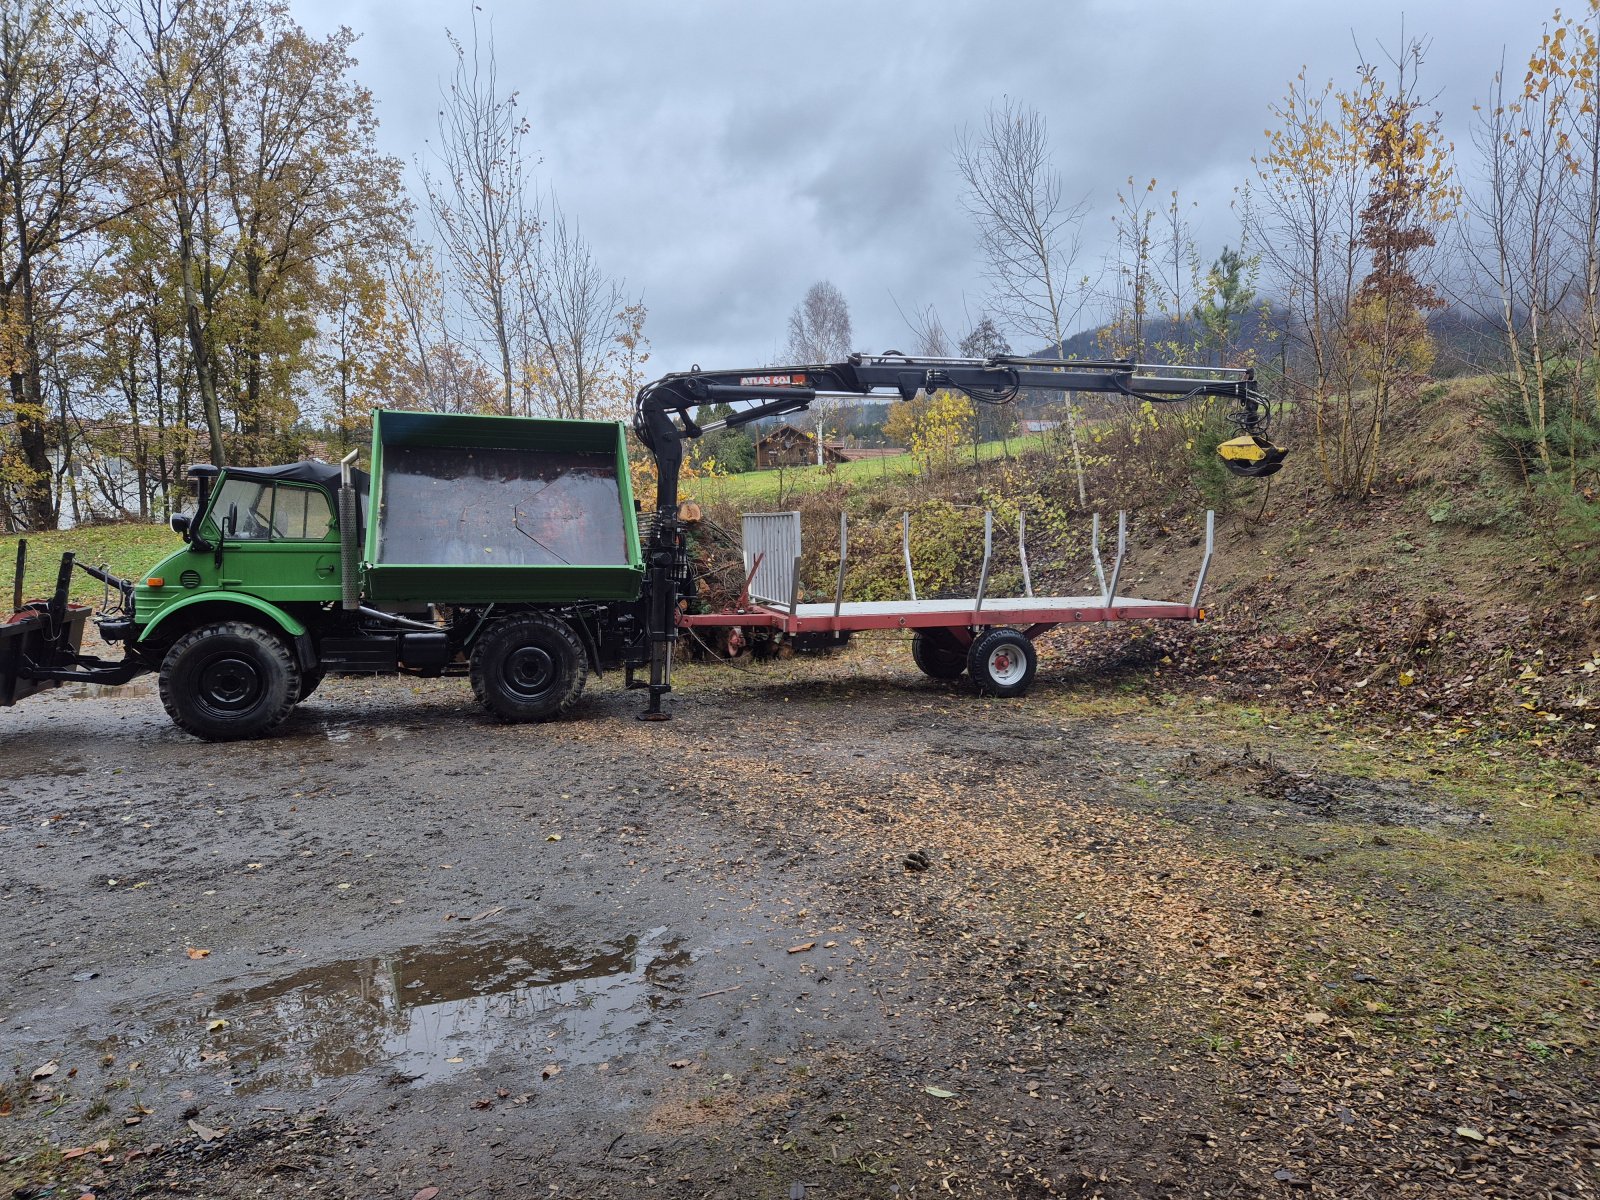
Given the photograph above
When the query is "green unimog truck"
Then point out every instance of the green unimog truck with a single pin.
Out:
(505, 549)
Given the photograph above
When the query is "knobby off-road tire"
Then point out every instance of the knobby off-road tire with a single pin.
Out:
(937, 654)
(531, 668)
(1002, 662)
(229, 681)
(308, 683)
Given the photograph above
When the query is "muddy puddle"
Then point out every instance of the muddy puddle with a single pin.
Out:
(423, 1014)
(144, 685)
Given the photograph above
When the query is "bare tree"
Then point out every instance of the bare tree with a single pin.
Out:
(1031, 237)
(819, 326)
(931, 337)
(488, 229)
(579, 318)
(1533, 181)
(819, 332)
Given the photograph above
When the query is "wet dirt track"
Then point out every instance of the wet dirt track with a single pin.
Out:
(400, 946)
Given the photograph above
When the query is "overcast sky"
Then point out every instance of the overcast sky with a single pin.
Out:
(722, 156)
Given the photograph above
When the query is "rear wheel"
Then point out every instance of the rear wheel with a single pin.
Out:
(937, 654)
(1002, 663)
(229, 681)
(531, 668)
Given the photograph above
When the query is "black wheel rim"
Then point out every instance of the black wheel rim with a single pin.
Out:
(229, 683)
(530, 672)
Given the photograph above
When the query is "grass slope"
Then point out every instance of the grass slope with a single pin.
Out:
(772, 487)
(126, 549)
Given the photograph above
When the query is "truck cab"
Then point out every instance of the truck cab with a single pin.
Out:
(267, 533)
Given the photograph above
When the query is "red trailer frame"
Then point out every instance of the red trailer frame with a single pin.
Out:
(960, 622)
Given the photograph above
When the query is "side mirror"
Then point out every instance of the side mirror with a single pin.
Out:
(180, 524)
(232, 528)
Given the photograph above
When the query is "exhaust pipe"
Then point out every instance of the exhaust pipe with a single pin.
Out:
(349, 519)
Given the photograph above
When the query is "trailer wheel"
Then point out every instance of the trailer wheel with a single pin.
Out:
(1002, 663)
(529, 669)
(229, 681)
(937, 654)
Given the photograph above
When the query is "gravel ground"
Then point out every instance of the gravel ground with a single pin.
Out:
(833, 931)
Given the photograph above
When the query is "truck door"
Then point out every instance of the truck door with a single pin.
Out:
(281, 540)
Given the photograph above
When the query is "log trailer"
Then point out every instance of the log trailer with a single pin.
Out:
(508, 550)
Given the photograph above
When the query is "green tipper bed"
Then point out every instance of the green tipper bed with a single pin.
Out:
(469, 509)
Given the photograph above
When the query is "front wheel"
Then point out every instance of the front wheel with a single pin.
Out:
(531, 668)
(229, 681)
(308, 683)
(1002, 663)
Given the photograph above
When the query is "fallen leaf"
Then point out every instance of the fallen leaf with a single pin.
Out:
(75, 1152)
(486, 1102)
(344, 887)
(679, 1064)
(554, 837)
(206, 1133)
(803, 946)
(45, 1071)
(456, 1059)
(1316, 1017)
(427, 1193)
(215, 1024)
(192, 952)
(939, 1092)
(552, 1069)
(1468, 1132)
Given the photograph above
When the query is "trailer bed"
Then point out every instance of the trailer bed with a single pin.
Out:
(852, 616)
(771, 595)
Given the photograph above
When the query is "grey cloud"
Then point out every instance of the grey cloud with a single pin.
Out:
(723, 155)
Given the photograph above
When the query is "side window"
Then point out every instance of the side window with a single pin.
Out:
(263, 511)
(301, 514)
(250, 505)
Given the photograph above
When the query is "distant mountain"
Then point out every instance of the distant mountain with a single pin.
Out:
(1464, 343)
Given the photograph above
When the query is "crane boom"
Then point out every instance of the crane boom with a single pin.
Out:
(664, 421)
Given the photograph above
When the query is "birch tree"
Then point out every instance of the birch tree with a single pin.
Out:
(1031, 236)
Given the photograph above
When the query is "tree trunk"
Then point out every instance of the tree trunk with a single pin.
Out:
(204, 370)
